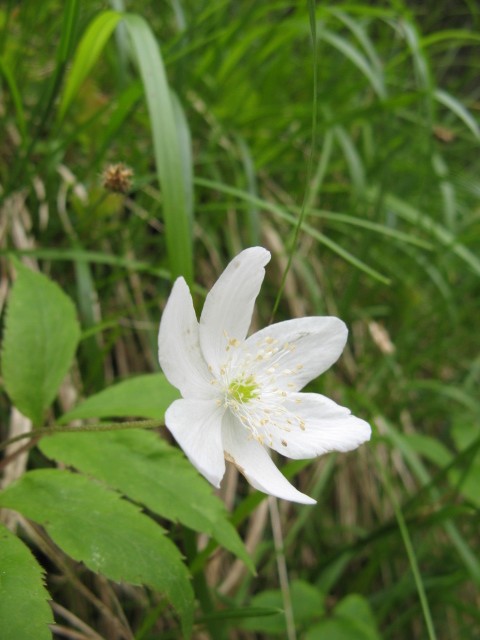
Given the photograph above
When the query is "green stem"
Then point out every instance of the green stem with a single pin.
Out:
(282, 567)
(114, 426)
(407, 541)
(301, 217)
(216, 628)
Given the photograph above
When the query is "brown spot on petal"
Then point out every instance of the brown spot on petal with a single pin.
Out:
(233, 461)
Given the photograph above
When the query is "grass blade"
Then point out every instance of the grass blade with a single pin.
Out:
(407, 541)
(171, 167)
(91, 45)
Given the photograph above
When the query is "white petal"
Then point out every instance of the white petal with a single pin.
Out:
(254, 462)
(197, 427)
(316, 425)
(228, 308)
(293, 352)
(179, 350)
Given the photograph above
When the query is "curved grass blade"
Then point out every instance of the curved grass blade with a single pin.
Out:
(360, 33)
(89, 49)
(281, 213)
(352, 158)
(15, 94)
(171, 167)
(96, 257)
(412, 558)
(299, 222)
(456, 107)
(468, 557)
(253, 219)
(374, 78)
(443, 235)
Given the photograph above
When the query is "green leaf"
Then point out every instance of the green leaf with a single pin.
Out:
(168, 146)
(158, 476)
(240, 613)
(94, 257)
(466, 479)
(307, 605)
(357, 608)
(21, 591)
(430, 448)
(109, 535)
(41, 336)
(438, 231)
(282, 213)
(89, 49)
(147, 396)
(459, 110)
(352, 619)
(374, 76)
(15, 95)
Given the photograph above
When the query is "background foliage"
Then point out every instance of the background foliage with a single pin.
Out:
(236, 130)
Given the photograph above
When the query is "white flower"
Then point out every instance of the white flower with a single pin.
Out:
(241, 395)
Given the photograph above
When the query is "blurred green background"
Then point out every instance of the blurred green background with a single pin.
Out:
(238, 121)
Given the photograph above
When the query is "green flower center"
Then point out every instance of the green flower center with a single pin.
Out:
(243, 390)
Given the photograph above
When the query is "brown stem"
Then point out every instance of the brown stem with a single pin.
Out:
(114, 426)
(29, 445)
(47, 547)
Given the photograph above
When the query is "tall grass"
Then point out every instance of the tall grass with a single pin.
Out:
(211, 104)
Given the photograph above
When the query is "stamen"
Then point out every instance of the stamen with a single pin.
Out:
(256, 394)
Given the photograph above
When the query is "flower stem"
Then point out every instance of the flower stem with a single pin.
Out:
(282, 567)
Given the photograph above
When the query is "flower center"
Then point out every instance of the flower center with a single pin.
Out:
(242, 390)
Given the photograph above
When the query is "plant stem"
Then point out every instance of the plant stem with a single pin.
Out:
(282, 567)
(407, 541)
(113, 426)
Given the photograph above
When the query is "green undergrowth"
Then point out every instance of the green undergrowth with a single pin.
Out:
(344, 138)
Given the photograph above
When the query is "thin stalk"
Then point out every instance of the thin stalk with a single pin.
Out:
(46, 546)
(114, 426)
(282, 567)
(216, 628)
(301, 217)
(407, 541)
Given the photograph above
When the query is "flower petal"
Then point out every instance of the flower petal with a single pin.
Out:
(179, 350)
(228, 308)
(313, 425)
(292, 353)
(254, 462)
(196, 426)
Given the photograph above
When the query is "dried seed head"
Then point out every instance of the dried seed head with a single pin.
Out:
(117, 178)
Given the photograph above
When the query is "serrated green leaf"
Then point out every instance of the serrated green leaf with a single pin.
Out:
(41, 336)
(109, 535)
(147, 469)
(22, 590)
(147, 396)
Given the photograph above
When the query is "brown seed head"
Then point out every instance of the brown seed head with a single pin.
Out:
(117, 178)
